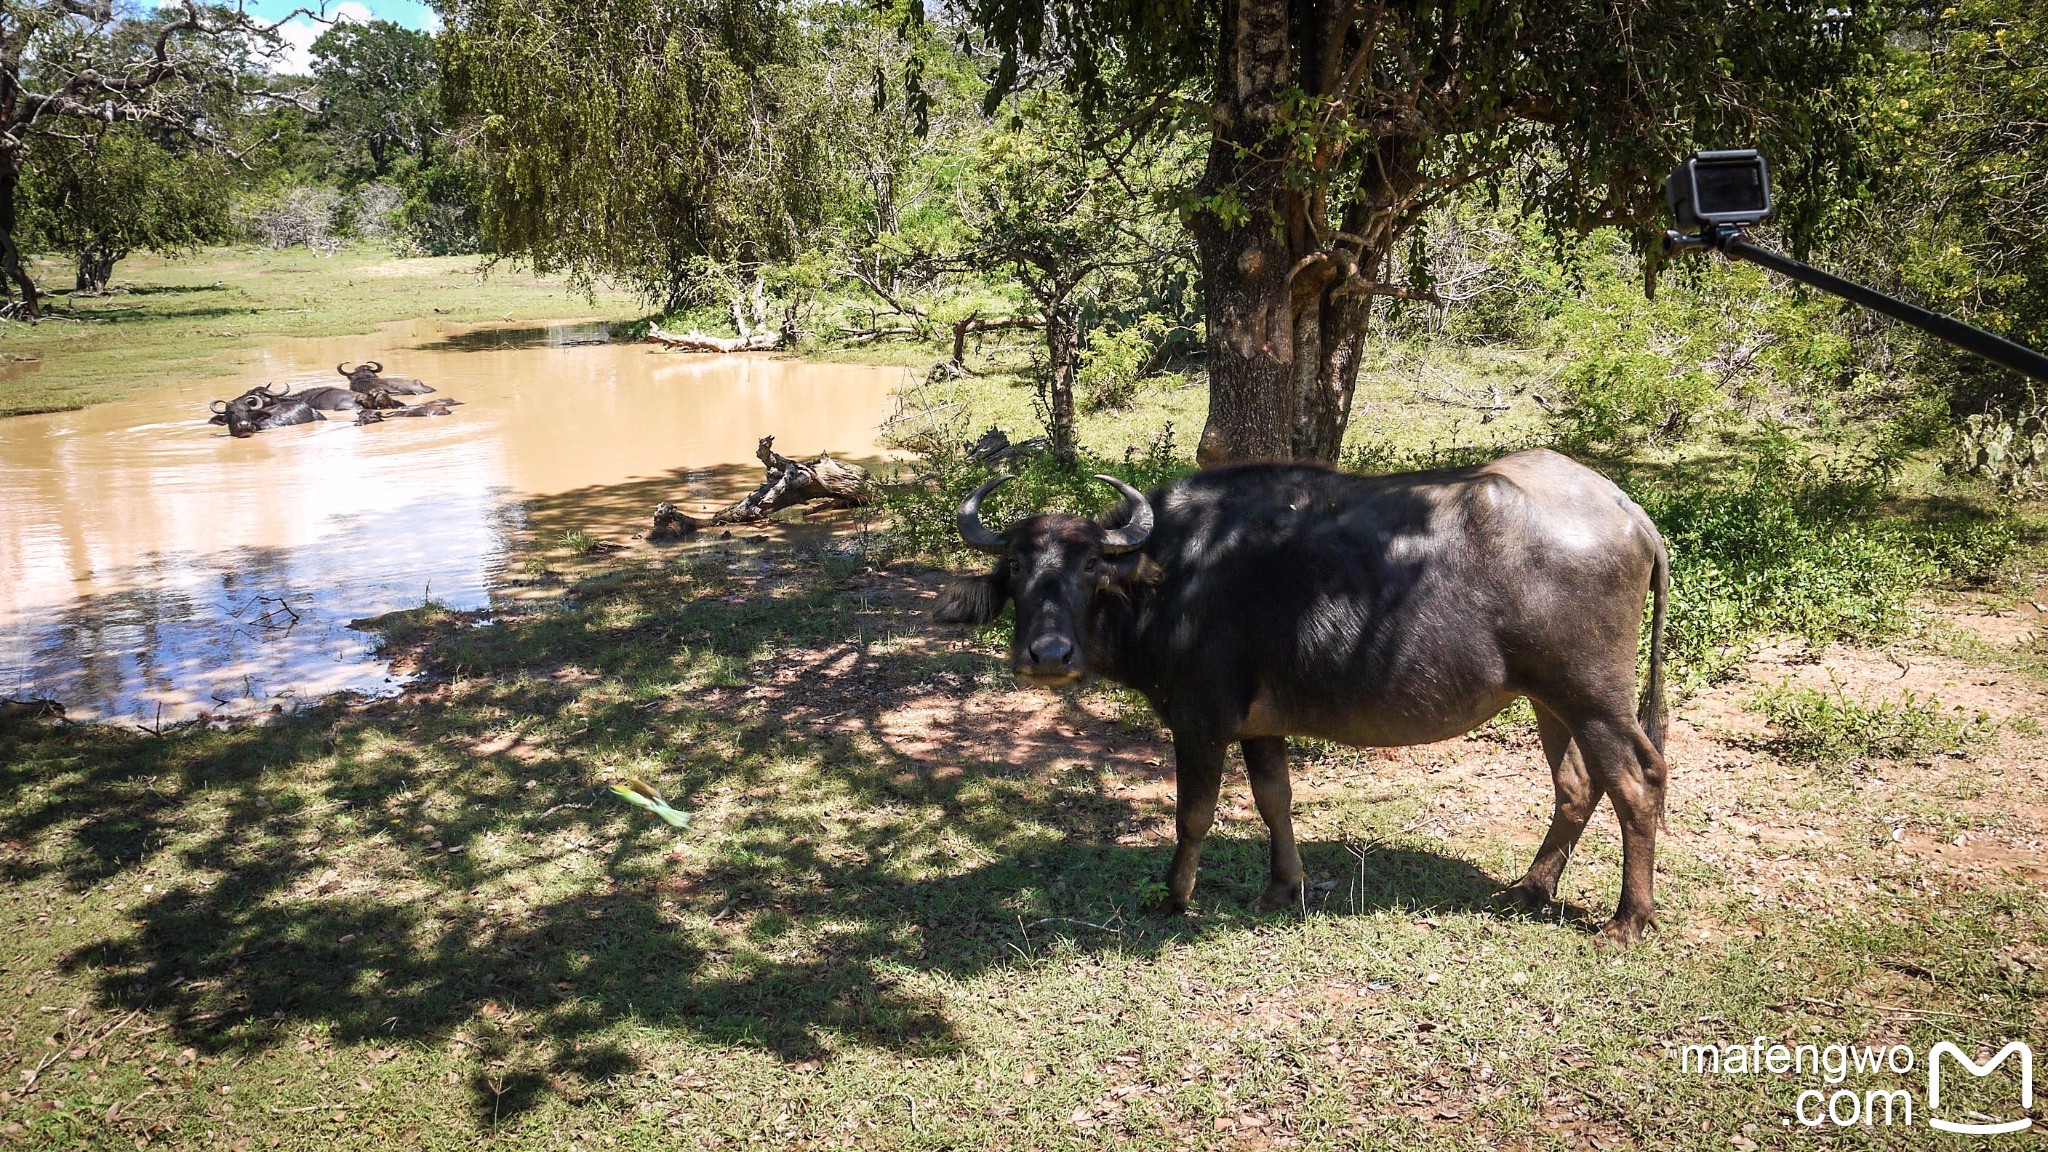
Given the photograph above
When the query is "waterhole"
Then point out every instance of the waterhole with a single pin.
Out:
(153, 568)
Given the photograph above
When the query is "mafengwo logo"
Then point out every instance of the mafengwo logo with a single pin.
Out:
(1865, 1086)
(1988, 1126)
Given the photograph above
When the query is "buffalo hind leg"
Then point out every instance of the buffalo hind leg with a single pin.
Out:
(1198, 776)
(1265, 762)
(1626, 766)
(1575, 799)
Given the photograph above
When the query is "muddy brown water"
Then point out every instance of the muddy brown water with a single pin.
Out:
(152, 567)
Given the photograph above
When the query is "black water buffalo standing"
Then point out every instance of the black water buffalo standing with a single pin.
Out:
(369, 377)
(1262, 601)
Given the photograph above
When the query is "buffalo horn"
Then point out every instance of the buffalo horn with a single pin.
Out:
(376, 367)
(1135, 529)
(343, 368)
(218, 407)
(977, 536)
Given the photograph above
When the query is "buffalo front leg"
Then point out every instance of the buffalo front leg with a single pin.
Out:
(1265, 762)
(1198, 773)
(1575, 798)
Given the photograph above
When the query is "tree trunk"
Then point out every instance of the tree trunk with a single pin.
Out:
(96, 267)
(11, 266)
(1062, 322)
(1287, 294)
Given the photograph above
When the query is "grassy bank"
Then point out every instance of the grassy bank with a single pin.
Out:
(910, 910)
(199, 317)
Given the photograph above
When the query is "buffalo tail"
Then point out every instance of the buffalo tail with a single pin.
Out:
(1650, 713)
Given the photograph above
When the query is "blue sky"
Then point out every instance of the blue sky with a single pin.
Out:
(300, 33)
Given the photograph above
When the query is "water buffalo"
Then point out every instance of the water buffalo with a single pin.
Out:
(264, 407)
(261, 408)
(369, 377)
(1262, 601)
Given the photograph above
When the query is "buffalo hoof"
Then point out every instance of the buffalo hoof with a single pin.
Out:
(1620, 933)
(1523, 896)
(1278, 897)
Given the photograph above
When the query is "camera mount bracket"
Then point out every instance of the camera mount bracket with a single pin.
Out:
(1750, 202)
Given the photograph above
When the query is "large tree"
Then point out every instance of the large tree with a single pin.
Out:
(638, 139)
(105, 196)
(1334, 125)
(69, 69)
(379, 88)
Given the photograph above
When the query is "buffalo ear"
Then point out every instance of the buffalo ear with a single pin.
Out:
(1131, 572)
(218, 420)
(971, 600)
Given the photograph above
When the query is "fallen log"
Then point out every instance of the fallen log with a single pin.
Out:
(792, 482)
(973, 324)
(764, 340)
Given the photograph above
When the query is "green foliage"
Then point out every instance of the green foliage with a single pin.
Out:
(1112, 364)
(1793, 546)
(2008, 451)
(1834, 729)
(378, 84)
(1955, 217)
(1612, 397)
(629, 140)
(922, 509)
(121, 191)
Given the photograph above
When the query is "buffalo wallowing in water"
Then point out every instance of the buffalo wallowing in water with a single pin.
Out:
(368, 377)
(264, 407)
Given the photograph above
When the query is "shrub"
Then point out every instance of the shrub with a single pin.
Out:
(1613, 397)
(1112, 364)
(2009, 451)
(1833, 729)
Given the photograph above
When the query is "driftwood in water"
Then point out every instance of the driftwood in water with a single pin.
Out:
(754, 337)
(791, 482)
(761, 341)
(22, 711)
(671, 523)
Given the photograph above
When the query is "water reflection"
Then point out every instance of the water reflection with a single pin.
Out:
(153, 562)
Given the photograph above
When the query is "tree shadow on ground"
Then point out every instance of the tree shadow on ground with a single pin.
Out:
(430, 867)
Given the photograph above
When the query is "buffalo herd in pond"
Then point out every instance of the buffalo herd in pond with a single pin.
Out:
(370, 394)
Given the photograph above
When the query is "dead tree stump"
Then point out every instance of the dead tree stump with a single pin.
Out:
(671, 523)
(791, 482)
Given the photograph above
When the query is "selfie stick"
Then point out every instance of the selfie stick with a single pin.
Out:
(1720, 208)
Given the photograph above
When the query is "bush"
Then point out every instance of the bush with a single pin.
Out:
(1832, 729)
(2010, 452)
(1112, 364)
(922, 507)
(303, 215)
(1613, 397)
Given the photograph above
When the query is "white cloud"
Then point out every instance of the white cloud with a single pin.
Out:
(295, 56)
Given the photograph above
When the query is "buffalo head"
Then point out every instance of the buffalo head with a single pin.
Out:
(1053, 567)
(248, 413)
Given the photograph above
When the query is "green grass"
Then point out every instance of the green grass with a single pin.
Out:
(1837, 730)
(425, 922)
(203, 316)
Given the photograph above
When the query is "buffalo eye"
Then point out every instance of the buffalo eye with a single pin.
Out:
(1089, 566)
(1016, 566)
